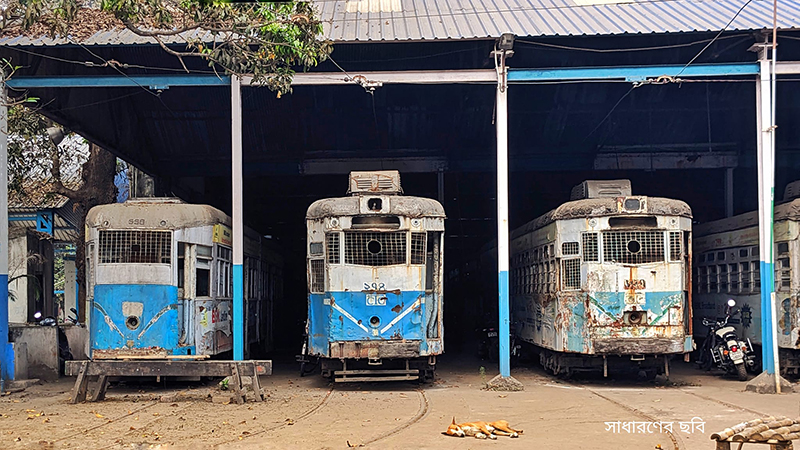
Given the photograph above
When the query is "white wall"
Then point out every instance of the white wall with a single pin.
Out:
(17, 265)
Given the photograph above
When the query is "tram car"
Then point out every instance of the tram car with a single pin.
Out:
(375, 260)
(159, 280)
(602, 281)
(727, 266)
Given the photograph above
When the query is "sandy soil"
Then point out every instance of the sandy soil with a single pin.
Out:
(308, 413)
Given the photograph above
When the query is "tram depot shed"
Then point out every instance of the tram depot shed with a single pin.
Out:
(661, 92)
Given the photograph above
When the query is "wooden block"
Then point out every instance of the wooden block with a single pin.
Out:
(81, 384)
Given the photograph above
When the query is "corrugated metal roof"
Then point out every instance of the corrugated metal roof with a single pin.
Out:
(400, 20)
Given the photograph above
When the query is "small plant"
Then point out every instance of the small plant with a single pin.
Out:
(223, 385)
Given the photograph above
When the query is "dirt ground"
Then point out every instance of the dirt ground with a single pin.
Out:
(308, 413)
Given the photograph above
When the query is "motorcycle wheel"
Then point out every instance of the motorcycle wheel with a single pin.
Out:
(741, 372)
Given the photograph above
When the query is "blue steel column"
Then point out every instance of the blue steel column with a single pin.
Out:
(766, 193)
(502, 216)
(6, 353)
(238, 223)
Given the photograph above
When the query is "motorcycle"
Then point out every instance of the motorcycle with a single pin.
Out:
(723, 348)
(489, 345)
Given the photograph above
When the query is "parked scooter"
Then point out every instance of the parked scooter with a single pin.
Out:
(489, 345)
(723, 348)
(64, 352)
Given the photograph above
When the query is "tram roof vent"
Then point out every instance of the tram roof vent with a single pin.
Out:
(792, 191)
(601, 188)
(382, 182)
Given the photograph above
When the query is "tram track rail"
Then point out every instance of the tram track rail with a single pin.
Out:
(107, 422)
(723, 403)
(424, 407)
(309, 412)
(676, 441)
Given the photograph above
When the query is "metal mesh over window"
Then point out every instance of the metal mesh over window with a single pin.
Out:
(571, 273)
(333, 248)
(675, 246)
(134, 246)
(569, 248)
(375, 249)
(633, 247)
(317, 275)
(590, 252)
(417, 248)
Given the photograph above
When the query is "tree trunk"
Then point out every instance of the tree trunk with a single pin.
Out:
(97, 188)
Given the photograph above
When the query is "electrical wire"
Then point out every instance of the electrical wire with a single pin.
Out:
(613, 108)
(715, 37)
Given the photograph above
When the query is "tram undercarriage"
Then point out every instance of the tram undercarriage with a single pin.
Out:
(396, 369)
(568, 364)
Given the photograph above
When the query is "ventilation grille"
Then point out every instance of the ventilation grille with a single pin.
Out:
(317, 275)
(675, 246)
(571, 273)
(569, 248)
(600, 189)
(133, 246)
(375, 249)
(633, 247)
(386, 182)
(333, 248)
(417, 248)
(590, 253)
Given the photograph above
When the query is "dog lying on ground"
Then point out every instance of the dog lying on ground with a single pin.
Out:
(482, 430)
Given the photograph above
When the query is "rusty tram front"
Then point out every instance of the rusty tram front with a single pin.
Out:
(603, 280)
(375, 261)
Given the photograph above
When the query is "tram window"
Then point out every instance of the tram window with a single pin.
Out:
(710, 257)
(590, 251)
(333, 248)
(733, 272)
(675, 246)
(744, 270)
(317, 276)
(712, 279)
(755, 267)
(723, 278)
(203, 276)
(754, 251)
(783, 248)
(571, 273)
(547, 276)
(569, 248)
(417, 248)
(702, 280)
(315, 248)
(181, 262)
(702, 258)
(743, 253)
(783, 274)
(720, 256)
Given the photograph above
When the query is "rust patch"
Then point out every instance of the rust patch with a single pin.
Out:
(382, 291)
(397, 308)
(341, 319)
(359, 321)
(149, 352)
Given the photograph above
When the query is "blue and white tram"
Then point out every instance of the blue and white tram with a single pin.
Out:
(159, 280)
(727, 266)
(603, 281)
(375, 261)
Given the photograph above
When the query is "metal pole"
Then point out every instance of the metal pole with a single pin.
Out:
(766, 181)
(238, 223)
(6, 352)
(729, 192)
(773, 126)
(502, 215)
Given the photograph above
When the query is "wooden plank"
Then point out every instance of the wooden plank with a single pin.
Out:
(165, 368)
(256, 385)
(237, 383)
(100, 391)
(81, 384)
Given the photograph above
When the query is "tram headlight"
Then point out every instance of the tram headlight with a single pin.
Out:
(632, 204)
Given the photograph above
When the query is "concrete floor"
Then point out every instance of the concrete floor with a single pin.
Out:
(308, 413)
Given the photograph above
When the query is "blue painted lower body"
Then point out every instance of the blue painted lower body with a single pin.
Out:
(6, 353)
(238, 312)
(767, 343)
(504, 326)
(135, 317)
(360, 316)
